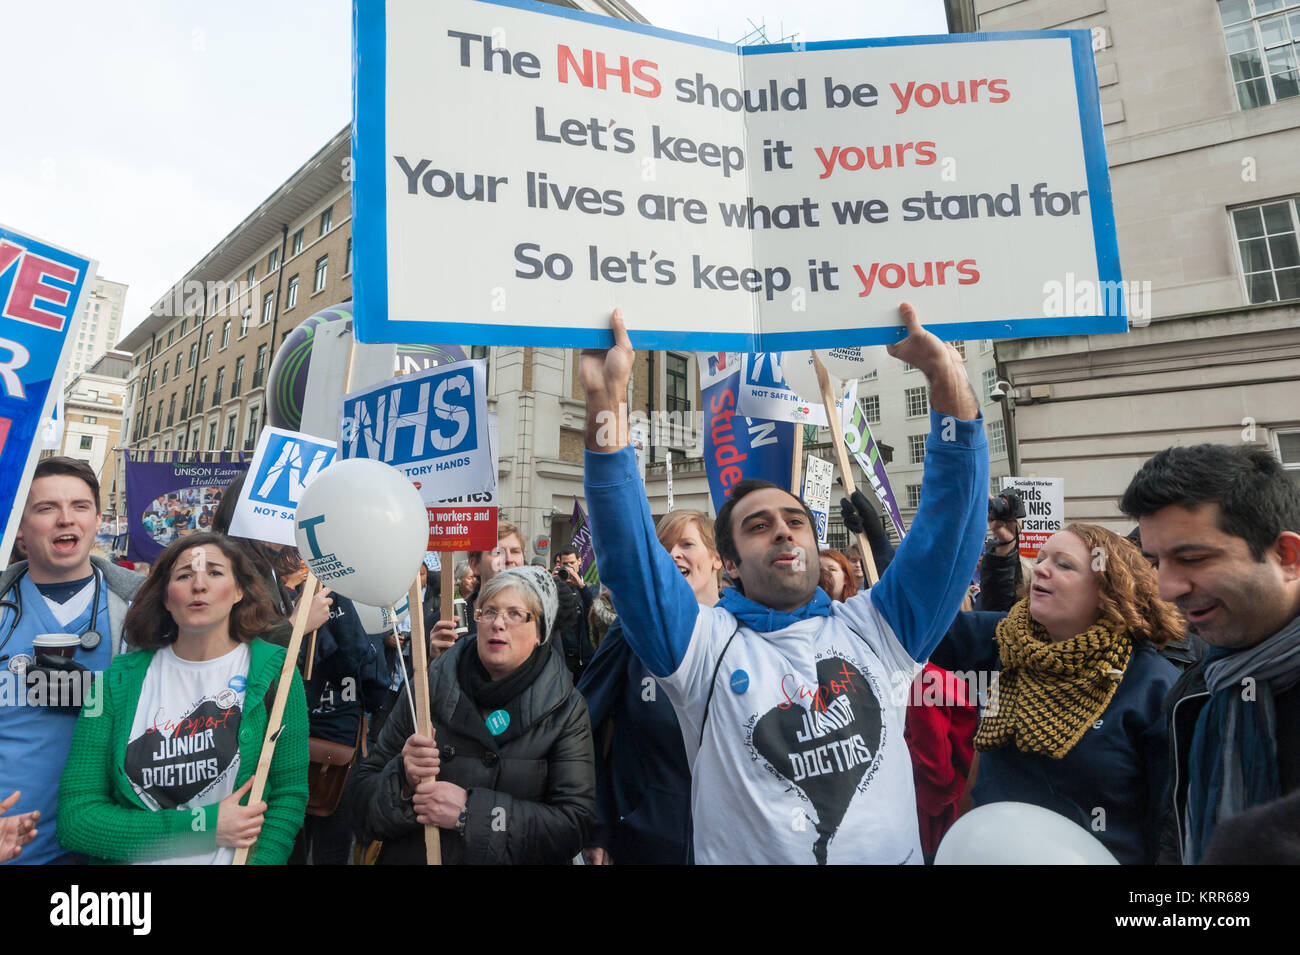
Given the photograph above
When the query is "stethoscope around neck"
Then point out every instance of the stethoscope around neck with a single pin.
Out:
(90, 637)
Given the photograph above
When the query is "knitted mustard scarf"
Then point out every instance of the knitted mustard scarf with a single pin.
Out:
(1049, 694)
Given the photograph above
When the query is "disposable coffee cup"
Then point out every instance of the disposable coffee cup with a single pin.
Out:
(56, 644)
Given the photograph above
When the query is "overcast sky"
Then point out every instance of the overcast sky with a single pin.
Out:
(145, 130)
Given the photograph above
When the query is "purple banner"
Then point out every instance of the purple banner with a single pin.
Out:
(581, 542)
(169, 500)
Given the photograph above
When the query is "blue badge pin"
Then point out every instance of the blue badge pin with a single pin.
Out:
(497, 721)
(739, 681)
(238, 682)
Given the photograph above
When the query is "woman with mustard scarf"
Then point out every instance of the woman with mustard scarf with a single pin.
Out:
(1074, 721)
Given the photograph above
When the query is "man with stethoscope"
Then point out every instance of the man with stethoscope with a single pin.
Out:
(59, 589)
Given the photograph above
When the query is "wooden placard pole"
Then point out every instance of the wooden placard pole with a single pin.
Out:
(842, 458)
(447, 606)
(275, 721)
(796, 466)
(420, 684)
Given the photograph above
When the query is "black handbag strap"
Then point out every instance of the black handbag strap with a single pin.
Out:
(714, 682)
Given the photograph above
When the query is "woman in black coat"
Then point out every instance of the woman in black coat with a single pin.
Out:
(515, 775)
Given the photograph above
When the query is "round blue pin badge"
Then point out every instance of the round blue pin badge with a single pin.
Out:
(497, 721)
(739, 681)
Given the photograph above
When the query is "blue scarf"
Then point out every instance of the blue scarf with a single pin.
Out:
(1233, 763)
(765, 619)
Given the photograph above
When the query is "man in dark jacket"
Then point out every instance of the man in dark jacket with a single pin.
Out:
(1222, 525)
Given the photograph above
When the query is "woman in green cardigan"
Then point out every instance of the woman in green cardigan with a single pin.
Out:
(164, 753)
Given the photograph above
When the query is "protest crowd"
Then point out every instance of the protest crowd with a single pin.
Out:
(728, 693)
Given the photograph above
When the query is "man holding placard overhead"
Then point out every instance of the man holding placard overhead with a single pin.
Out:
(792, 707)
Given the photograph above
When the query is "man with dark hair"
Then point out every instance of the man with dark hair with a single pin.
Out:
(59, 589)
(1222, 526)
(571, 635)
(792, 707)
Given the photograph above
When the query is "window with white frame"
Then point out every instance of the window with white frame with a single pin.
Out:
(318, 280)
(986, 346)
(326, 220)
(225, 334)
(961, 348)
(347, 261)
(1262, 38)
(913, 496)
(296, 243)
(870, 405)
(872, 375)
(990, 379)
(917, 402)
(268, 306)
(251, 275)
(273, 261)
(997, 437)
(916, 448)
(1268, 249)
(292, 298)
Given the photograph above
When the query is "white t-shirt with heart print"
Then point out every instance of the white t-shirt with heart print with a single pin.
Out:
(183, 750)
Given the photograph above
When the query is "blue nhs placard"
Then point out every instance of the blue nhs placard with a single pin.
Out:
(432, 426)
(40, 287)
(284, 464)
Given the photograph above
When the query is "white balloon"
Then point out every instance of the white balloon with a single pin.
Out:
(379, 619)
(1018, 833)
(801, 377)
(363, 530)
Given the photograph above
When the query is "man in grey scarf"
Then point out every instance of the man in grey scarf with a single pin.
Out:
(1222, 526)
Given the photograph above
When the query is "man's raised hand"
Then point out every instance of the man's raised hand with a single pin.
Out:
(604, 374)
(950, 392)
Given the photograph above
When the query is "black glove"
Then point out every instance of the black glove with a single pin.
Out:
(57, 682)
(570, 605)
(860, 517)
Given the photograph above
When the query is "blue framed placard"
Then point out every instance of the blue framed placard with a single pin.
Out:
(520, 169)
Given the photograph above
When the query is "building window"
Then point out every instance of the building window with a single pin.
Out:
(203, 390)
(676, 399)
(207, 343)
(212, 436)
(216, 391)
(176, 373)
(180, 441)
(917, 402)
(1262, 49)
(347, 262)
(961, 348)
(326, 220)
(232, 425)
(260, 368)
(292, 297)
(87, 442)
(318, 281)
(154, 380)
(235, 383)
(916, 448)
(244, 321)
(1288, 452)
(273, 261)
(1270, 256)
(986, 346)
(158, 422)
(250, 440)
(185, 404)
(251, 276)
(225, 334)
(913, 496)
(997, 437)
(164, 373)
(89, 419)
(870, 405)
(194, 355)
(297, 242)
(268, 306)
(990, 379)
(171, 336)
(171, 410)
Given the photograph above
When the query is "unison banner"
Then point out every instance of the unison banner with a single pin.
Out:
(552, 164)
(169, 500)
